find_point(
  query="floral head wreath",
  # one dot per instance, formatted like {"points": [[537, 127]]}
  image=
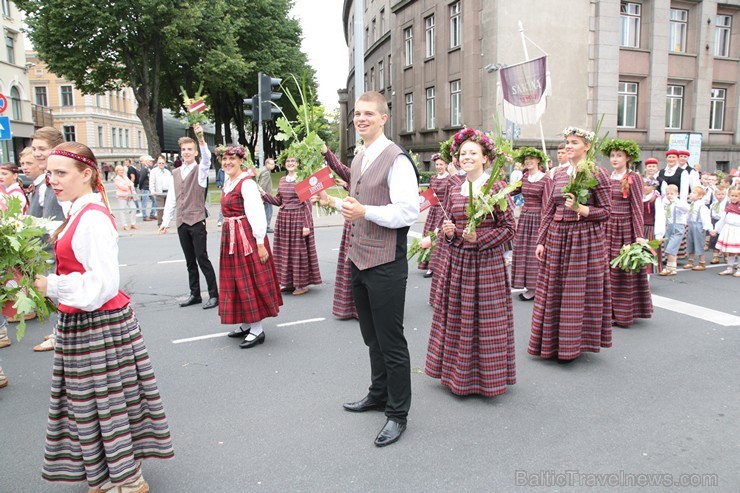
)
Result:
{"points": [[232, 150], [466, 134], [629, 147], [584, 134], [530, 152], [436, 156]]}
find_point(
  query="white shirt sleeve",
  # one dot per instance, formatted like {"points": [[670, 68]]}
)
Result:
{"points": [[95, 245], [706, 218], [659, 231], [204, 166], [404, 191], [683, 190], [254, 210], [169, 207]]}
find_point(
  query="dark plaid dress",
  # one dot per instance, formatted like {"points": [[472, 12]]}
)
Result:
{"points": [[572, 303], [344, 301], [648, 215], [524, 266], [471, 343], [435, 216], [295, 255], [438, 262], [248, 289], [630, 292]]}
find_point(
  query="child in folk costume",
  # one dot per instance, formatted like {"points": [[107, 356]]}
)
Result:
{"points": [[676, 215], [653, 214], [572, 306], [536, 189], [630, 291], [249, 289], [471, 344], [105, 413], [716, 210], [295, 245], [728, 230], [699, 225], [10, 186], [344, 301], [435, 215]]}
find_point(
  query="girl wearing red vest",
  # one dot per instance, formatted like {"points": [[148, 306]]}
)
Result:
{"points": [[105, 413], [11, 187]]}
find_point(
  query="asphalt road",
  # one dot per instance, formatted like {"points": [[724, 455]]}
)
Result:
{"points": [[659, 408]]}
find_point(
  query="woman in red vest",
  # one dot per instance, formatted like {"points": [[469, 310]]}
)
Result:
{"points": [[105, 413], [249, 288]]}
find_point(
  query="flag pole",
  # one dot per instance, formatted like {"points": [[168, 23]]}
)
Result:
{"points": [[526, 58]]}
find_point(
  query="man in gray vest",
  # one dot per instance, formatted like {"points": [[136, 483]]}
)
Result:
{"points": [[187, 197], [384, 202]]}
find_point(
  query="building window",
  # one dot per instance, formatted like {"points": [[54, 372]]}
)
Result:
{"points": [[373, 32], [67, 99], [455, 103], [429, 36], [120, 137], [40, 96], [627, 105], [408, 44], [367, 37], [371, 85], [723, 23], [6, 8], [455, 25], [141, 144], [390, 74], [10, 46], [410, 112], [723, 166], [113, 137], [674, 107], [127, 141], [717, 109], [69, 133], [679, 27], [100, 136], [431, 109], [382, 22], [630, 19], [381, 76], [15, 103]]}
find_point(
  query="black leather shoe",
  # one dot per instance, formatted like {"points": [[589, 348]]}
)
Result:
{"points": [[257, 340], [365, 404], [211, 303], [428, 274], [390, 433], [239, 332], [193, 300], [524, 298]]}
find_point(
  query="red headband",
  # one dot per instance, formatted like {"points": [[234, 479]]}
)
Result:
{"points": [[10, 167], [75, 156]]}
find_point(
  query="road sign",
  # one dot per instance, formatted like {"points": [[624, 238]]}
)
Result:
{"points": [[3, 103], [5, 133]]}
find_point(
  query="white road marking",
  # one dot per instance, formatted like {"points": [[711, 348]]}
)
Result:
{"points": [[696, 311], [299, 322], [171, 261], [335, 249], [122, 265], [199, 338]]}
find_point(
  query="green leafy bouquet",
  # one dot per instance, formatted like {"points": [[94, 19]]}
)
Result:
{"points": [[632, 258], [584, 179], [422, 249], [194, 116], [22, 257]]}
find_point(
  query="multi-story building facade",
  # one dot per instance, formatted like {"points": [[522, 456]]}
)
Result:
{"points": [[652, 68], [107, 122], [14, 84]]}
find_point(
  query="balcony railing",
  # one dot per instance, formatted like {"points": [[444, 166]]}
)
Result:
{"points": [[42, 116]]}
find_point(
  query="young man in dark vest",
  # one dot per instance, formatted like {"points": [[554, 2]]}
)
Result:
{"points": [[384, 202], [188, 198]]}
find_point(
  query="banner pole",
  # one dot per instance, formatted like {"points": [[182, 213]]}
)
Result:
{"points": [[526, 57]]}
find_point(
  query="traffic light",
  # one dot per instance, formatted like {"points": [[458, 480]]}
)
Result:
{"points": [[253, 108], [267, 96]]}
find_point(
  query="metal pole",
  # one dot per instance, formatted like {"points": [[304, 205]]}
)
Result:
{"points": [[526, 58], [260, 133], [359, 54]]}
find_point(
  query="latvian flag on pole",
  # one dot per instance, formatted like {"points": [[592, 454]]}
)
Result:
{"points": [[523, 91], [321, 180], [197, 107], [427, 199]]}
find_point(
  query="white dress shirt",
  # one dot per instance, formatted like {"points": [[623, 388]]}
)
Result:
{"points": [[95, 245], [253, 208], [185, 170], [160, 181]]}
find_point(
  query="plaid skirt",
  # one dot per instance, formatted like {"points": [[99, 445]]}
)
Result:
{"points": [[344, 301], [631, 296], [471, 344], [105, 412], [295, 255], [434, 221], [524, 265], [572, 303], [438, 265]]}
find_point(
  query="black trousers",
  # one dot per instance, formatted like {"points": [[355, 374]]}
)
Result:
{"points": [[380, 296], [193, 240]]}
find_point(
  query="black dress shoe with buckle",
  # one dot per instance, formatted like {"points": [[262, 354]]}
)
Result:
{"points": [[211, 303], [390, 433], [365, 404], [193, 300], [256, 340], [239, 332]]}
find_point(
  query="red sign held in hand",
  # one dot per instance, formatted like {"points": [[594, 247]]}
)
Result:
{"points": [[317, 182], [427, 199]]}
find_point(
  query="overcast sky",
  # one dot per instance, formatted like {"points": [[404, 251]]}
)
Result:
{"points": [[323, 42]]}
